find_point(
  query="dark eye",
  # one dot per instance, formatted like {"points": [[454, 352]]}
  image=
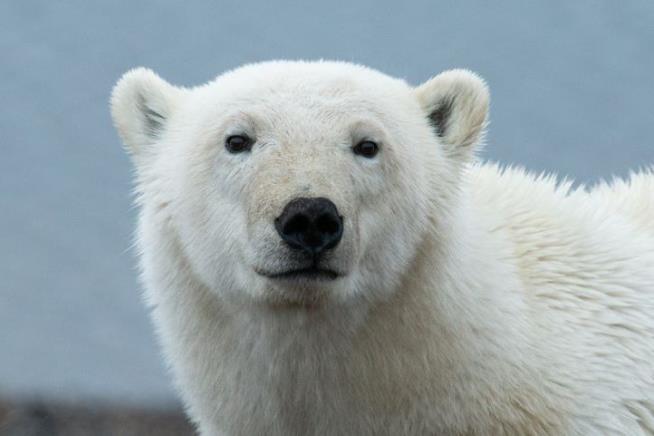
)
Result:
{"points": [[367, 149], [238, 143]]}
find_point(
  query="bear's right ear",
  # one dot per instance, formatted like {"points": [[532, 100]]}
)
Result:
{"points": [[456, 105], [141, 105]]}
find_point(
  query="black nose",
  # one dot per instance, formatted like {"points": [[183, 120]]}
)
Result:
{"points": [[310, 224]]}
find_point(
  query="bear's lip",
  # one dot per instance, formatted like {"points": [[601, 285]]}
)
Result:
{"points": [[310, 273]]}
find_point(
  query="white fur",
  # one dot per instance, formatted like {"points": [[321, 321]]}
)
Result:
{"points": [[474, 299]]}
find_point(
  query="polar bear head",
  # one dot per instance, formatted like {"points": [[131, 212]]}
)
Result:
{"points": [[298, 182]]}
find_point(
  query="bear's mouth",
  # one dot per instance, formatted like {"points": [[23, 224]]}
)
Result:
{"points": [[310, 273]]}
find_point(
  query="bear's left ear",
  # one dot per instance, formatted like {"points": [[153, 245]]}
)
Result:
{"points": [[456, 104]]}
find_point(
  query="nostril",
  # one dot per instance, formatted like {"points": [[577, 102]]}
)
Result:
{"points": [[327, 223], [299, 223]]}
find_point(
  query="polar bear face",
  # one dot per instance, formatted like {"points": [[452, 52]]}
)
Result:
{"points": [[298, 183]]}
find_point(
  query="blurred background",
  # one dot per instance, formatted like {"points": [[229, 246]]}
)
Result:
{"points": [[572, 89]]}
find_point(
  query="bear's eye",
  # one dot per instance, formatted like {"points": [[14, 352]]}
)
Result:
{"points": [[238, 143], [366, 148]]}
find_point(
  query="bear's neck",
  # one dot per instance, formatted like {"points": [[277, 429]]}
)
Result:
{"points": [[448, 324]]}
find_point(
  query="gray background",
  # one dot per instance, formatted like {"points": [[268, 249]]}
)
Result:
{"points": [[572, 89]]}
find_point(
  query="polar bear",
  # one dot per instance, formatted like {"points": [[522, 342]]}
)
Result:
{"points": [[325, 255]]}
